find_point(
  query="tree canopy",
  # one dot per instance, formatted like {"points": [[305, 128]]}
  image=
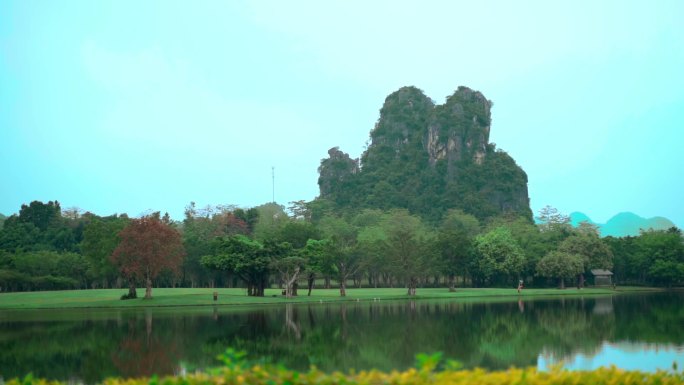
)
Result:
{"points": [[42, 248], [147, 247]]}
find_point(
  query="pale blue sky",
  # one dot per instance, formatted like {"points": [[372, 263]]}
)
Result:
{"points": [[127, 106]]}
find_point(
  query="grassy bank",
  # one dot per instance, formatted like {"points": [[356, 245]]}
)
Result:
{"points": [[109, 298]]}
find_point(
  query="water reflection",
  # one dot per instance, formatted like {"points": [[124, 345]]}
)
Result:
{"points": [[91, 345], [644, 357], [141, 352]]}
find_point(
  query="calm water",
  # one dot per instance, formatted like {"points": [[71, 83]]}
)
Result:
{"points": [[644, 331]]}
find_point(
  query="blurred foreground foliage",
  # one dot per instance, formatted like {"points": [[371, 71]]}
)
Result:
{"points": [[429, 370]]}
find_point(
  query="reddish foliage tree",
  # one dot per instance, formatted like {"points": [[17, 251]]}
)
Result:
{"points": [[147, 246], [229, 224]]}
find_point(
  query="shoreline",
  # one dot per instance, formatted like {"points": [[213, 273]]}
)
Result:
{"points": [[99, 299]]}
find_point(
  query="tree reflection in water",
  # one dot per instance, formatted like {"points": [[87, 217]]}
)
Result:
{"points": [[90, 345], [145, 352]]}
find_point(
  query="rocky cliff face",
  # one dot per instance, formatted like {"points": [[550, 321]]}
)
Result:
{"points": [[338, 169], [429, 158], [460, 128]]}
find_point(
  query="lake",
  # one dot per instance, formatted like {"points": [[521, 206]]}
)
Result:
{"points": [[633, 331]]}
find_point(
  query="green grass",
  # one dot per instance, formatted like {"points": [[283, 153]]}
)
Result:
{"points": [[164, 297]]}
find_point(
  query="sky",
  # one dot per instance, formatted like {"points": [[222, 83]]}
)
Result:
{"points": [[139, 106]]}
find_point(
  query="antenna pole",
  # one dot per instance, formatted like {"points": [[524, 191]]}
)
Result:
{"points": [[273, 183]]}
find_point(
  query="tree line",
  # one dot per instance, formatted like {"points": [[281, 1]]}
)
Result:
{"points": [[46, 248]]}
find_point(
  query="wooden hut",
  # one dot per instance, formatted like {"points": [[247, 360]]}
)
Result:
{"points": [[602, 277]]}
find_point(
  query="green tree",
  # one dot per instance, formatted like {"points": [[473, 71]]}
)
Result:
{"points": [[343, 259], [300, 210], [661, 255], [594, 252], [370, 244], [42, 215], [316, 255], [244, 257], [455, 243], [549, 218], [197, 233], [100, 238], [41, 226], [286, 262], [271, 217], [200, 227], [534, 243], [297, 233], [409, 246], [561, 265], [498, 255], [249, 216], [50, 270], [17, 236], [625, 262]]}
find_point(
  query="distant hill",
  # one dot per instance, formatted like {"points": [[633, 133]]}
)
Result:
{"points": [[428, 158], [623, 224], [576, 218]]}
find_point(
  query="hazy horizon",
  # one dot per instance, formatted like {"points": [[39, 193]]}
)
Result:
{"points": [[120, 107]]}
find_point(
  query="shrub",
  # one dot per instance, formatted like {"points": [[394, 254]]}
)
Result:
{"points": [[235, 374], [129, 296]]}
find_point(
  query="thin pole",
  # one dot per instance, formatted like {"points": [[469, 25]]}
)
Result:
{"points": [[273, 183]]}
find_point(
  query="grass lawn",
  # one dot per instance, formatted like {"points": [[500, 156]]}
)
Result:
{"points": [[109, 298]]}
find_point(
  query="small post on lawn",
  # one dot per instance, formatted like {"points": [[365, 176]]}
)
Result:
{"points": [[215, 296]]}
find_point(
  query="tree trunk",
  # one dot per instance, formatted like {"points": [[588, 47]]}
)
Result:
{"points": [[412, 283], [452, 282], [290, 284], [326, 283], [561, 282], [132, 292], [310, 281], [261, 286], [343, 288], [148, 288]]}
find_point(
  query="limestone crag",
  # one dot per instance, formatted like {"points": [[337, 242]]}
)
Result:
{"points": [[459, 128], [428, 157], [337, 170]]}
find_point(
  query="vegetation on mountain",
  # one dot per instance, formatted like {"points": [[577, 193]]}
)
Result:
{"points": [[427, 158]]}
